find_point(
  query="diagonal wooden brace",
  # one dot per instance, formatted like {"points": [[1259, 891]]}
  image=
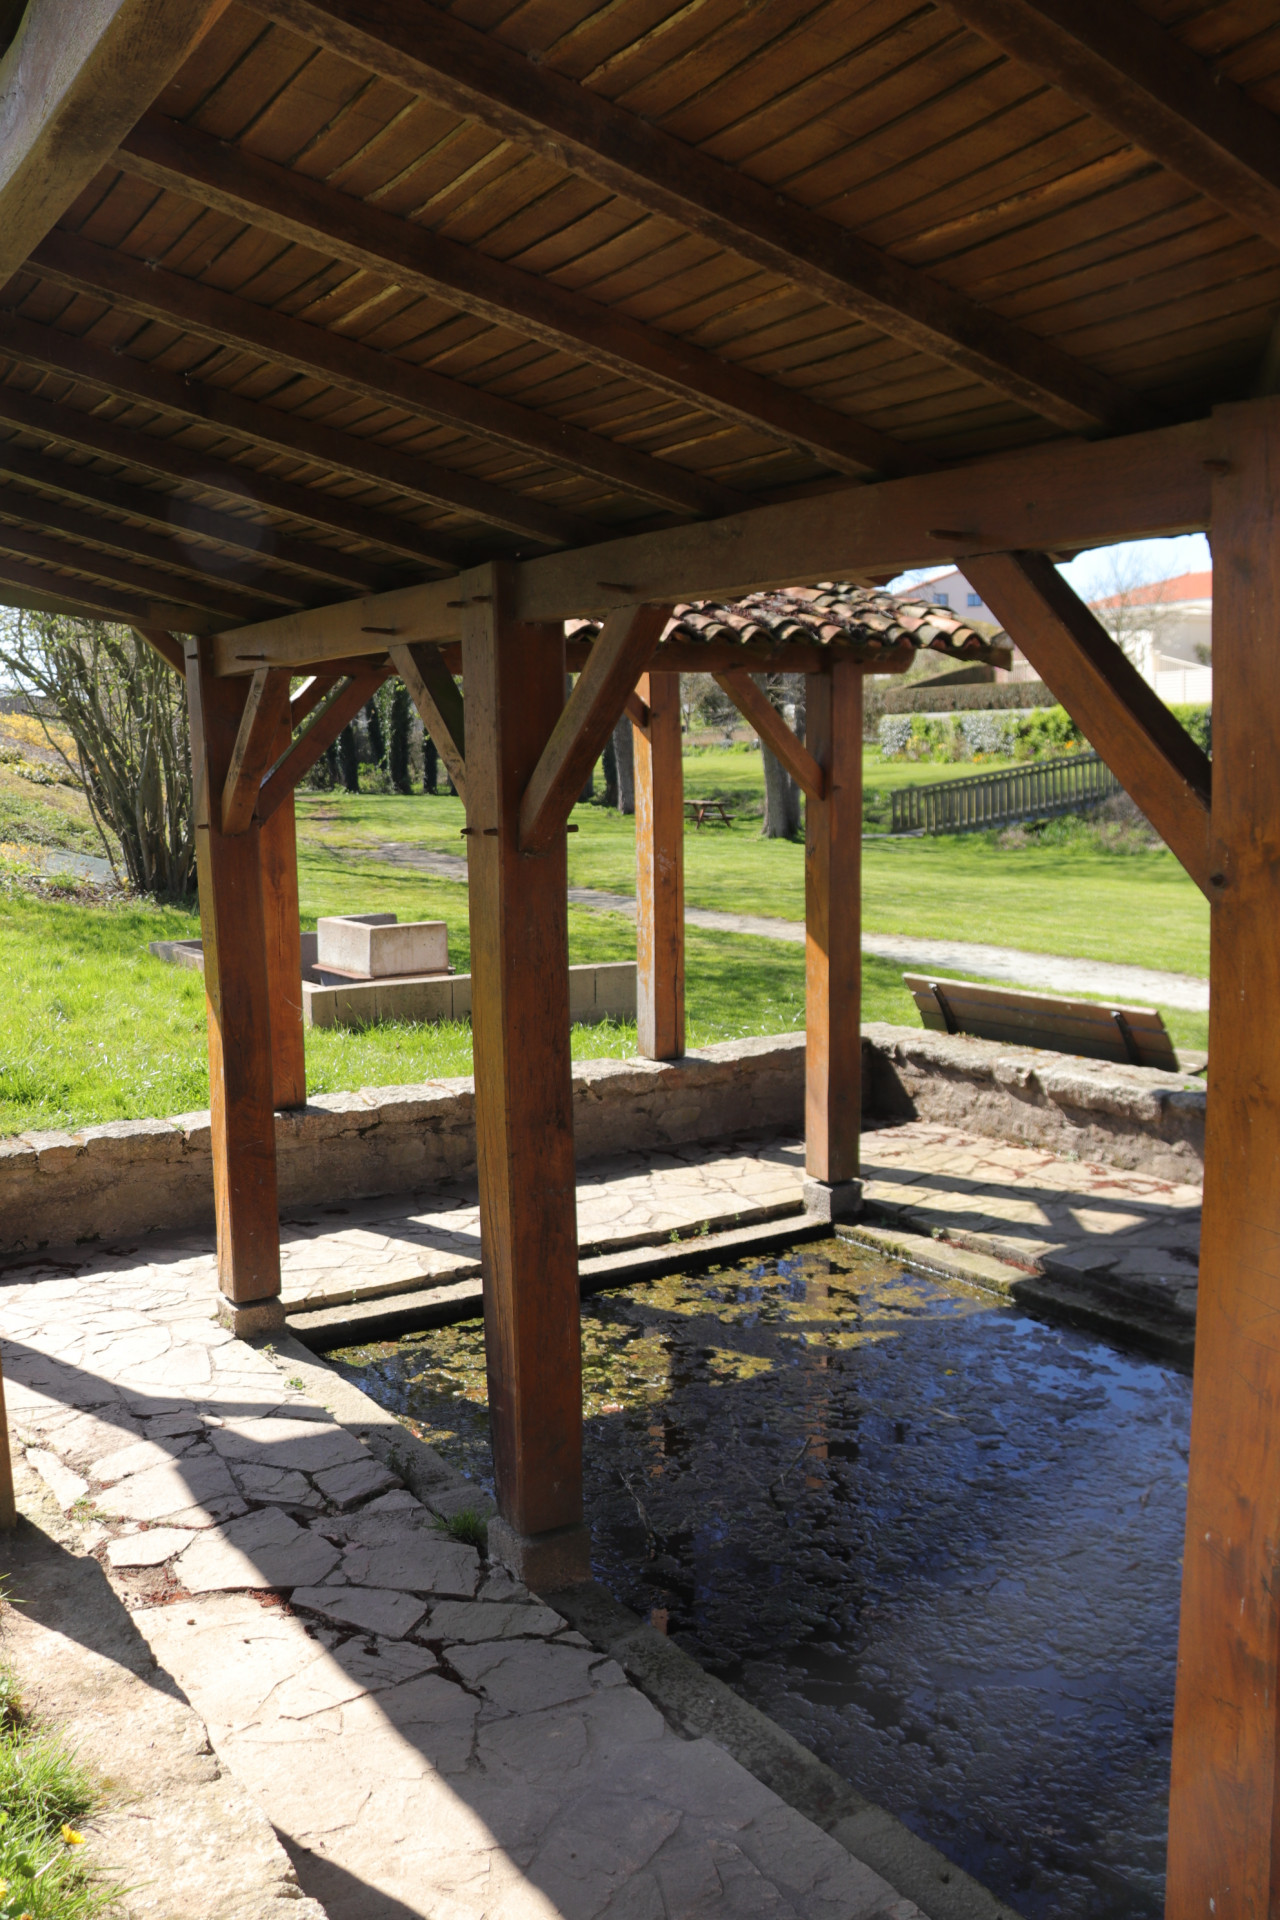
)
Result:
{"points": [[341, 707], [434, 692], [266, 705], [618, 657], [1151, 754], [169, 649], [759, 712]]}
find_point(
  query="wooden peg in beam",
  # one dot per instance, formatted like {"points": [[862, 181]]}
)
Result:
{"points": [[264, 709], [760, 713], [434, 692]]}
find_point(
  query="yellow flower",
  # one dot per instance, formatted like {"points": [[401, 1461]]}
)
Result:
{"points": [[72, 1838]]}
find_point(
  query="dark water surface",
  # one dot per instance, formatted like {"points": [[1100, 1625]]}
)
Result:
{"points": [[934, 1538]]}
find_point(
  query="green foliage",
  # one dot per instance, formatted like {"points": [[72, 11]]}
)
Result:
{"points": [[466, 1526], [1029, 735], [1198, 723], [43, 1873]]}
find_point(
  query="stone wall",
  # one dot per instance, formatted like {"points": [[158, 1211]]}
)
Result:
{"points": [[132, 1175], [1136, 1118], [126, 1177]]}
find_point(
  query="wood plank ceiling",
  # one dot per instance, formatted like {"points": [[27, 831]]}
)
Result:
{"points": [[377, 290]]}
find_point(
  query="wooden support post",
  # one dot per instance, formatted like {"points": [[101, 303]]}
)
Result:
{"points": [[279, 845], [514, 675], [833, 945], [237, 989], [659, 778], [1224, 1816]]}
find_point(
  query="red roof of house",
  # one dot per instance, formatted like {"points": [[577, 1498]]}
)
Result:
{"points": [[1163, 593]]}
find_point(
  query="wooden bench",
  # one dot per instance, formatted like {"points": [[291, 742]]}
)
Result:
{"points": [[701, 811], [1098, 1029]]}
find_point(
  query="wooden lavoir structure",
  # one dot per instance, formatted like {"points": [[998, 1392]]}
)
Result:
{"points": [[348, 336]]}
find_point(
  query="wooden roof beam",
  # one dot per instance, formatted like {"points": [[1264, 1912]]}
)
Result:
{"points": [[1071, 495], [133, 543], [1151, 754], [126, 378], [298, 208], [189, 304], [86, 600], [1124, 67], [118, 571], [592, 711], [72, 83], [88, 433], [427, 51]]}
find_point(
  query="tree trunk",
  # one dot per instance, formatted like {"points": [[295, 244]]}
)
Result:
{"points": [[781, 799], [624, 754], [398, 738], [430, 765], [609, 773], [349, 759]]}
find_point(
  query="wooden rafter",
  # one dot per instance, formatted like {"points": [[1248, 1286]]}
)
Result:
{"points": [[1125, 67], [232, 321], [617, 658], [266, 705], [167, 646], [89, 434], [1150, 753], [342, 706], [434, 693], [115, 569], [125, 378], [72, 82], [87, 597], [759, 712], [435, 54], [1084, 494], [306, 211], [218, 595]]}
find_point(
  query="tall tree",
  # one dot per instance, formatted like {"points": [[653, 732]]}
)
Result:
{"points": [[126, 712], [430, 765], [624, 754], [349, 759], [376, 736], [400, 721]]}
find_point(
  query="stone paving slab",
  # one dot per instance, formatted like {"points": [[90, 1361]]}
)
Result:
{"points": [[425, 1737], [372, 1249]]}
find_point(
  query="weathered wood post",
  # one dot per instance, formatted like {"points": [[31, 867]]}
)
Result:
{"points": [[833, 945], [659, 782], [237, 991], [514, 679], [279, 852], [1224, 1823]]}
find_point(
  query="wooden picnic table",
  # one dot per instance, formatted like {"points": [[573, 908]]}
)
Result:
{"points": [[703, 810]]}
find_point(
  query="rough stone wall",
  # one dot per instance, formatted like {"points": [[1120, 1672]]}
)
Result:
{"points": [[1136, 1118], [130, 1176], [133, 1175]]}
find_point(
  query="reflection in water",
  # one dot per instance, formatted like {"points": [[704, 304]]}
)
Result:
{"points": [[936, 1539]]}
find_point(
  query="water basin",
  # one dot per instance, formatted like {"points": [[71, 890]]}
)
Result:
{"points": [[935, 1538]]}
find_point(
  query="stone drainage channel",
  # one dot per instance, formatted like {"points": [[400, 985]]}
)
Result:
{"points": [[934, 1538]]}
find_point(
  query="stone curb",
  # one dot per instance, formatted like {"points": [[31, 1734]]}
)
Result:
{"points": [[700, 1706], [1098, 1305], [323, 1328]]}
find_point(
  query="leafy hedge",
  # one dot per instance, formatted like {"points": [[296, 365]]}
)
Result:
{"points": [[1025, 735]]}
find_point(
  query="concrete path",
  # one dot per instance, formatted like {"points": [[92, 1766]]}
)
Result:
{"points": [[426, 1738], [1044, 972]]}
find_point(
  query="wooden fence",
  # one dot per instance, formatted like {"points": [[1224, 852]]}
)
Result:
{"points": [[1000, 799]]}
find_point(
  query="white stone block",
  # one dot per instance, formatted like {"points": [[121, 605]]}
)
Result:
{"points": [[376, 946]]}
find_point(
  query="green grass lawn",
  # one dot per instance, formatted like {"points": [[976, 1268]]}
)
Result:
{"points": [[1063, 896]]}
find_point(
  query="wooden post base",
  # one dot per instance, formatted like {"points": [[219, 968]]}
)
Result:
{"points": [[544, 1561]]}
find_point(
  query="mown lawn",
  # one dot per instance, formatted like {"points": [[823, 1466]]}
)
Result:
{"points": [[1064, 896]]}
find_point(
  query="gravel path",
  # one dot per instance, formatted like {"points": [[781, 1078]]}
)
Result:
{"points": [[1048, 972]]}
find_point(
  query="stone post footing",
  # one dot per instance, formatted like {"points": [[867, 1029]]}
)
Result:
{"points": [[832, 1199], [544, 1561], [247, 1317]]}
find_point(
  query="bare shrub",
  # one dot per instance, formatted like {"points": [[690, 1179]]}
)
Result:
{"points": [[126, 713]]}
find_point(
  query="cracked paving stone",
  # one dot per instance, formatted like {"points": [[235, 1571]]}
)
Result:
{"points": [[472, 1620], [150, 1549], [378, 1610], [420, 1563], [306, 1445], [524, 1676], [265, 1549], [201, 1486]]}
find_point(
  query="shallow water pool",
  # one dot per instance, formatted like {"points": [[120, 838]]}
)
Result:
{"points": [[935, 1538]]}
